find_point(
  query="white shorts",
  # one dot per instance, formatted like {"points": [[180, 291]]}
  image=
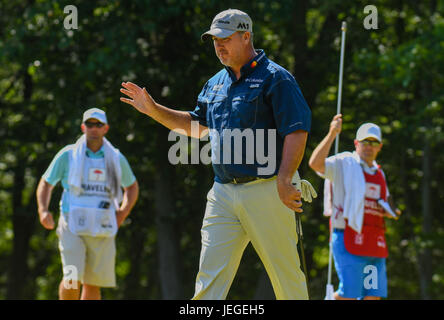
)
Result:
{"points": [[90, 260]]}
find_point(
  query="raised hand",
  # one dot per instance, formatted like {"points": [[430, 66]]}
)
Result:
{"points": [[139, 97], [336, 124]]}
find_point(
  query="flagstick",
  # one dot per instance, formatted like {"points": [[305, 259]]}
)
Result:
{"points": [[329, 290], [341, 69]]}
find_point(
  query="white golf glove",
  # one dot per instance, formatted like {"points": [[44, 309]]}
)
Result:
{"points": [[307, 190]]}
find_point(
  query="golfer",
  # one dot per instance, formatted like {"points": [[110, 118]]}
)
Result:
{"points": [[355, 185], [92, 173], [251, 94]]}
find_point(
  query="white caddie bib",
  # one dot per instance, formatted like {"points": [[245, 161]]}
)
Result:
{"points": [[93, 212]]}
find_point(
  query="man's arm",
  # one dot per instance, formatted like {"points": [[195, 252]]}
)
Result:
{"points": [[44, 191], [130, 196], [320, 153], [292, 154], [170, 118]]}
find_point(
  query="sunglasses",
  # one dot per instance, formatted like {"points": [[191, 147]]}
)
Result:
{"points": [[370, 143], [90, 125]]}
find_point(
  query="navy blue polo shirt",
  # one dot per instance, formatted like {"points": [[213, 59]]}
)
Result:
{"points": [[261, 107]]}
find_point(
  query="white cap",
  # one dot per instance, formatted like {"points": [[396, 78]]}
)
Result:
{"points": [[369, 130], [227, 22], [96, 114]]}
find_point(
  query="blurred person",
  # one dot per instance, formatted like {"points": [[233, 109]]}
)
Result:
{"points": [[92, 173], [355, 185]]}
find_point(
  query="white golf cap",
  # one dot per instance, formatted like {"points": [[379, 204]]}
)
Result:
{"points": [[95, 113], [369, 130], [227, 22]]}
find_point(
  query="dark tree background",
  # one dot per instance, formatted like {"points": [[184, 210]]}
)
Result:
{"points": [[49, 75]]}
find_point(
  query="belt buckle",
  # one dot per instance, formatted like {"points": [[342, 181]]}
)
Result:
{"points": [[234, 181]]}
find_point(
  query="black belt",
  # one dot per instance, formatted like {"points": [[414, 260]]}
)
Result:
{"points": [[338, 230], [243, 180]]}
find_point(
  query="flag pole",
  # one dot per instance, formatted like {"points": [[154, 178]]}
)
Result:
{"points": [[341, 71], [329, 295]]}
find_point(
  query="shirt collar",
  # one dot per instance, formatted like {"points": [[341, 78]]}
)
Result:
{"points": [[99, 154], [250, 66], [365, 166]]}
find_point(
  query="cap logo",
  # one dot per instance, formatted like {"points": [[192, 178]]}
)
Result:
{"points": [[225, 23]]}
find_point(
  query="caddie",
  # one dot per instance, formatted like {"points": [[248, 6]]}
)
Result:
{"points": [[355, 196], [251, 199], [92, 172]]}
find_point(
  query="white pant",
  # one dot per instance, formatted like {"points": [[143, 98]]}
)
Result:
{"points": [[235, 215]]}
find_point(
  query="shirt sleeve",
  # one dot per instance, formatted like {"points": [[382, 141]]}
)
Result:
{"points": [[200, 112], [58, 167], [128, 177], [290, 109]]}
